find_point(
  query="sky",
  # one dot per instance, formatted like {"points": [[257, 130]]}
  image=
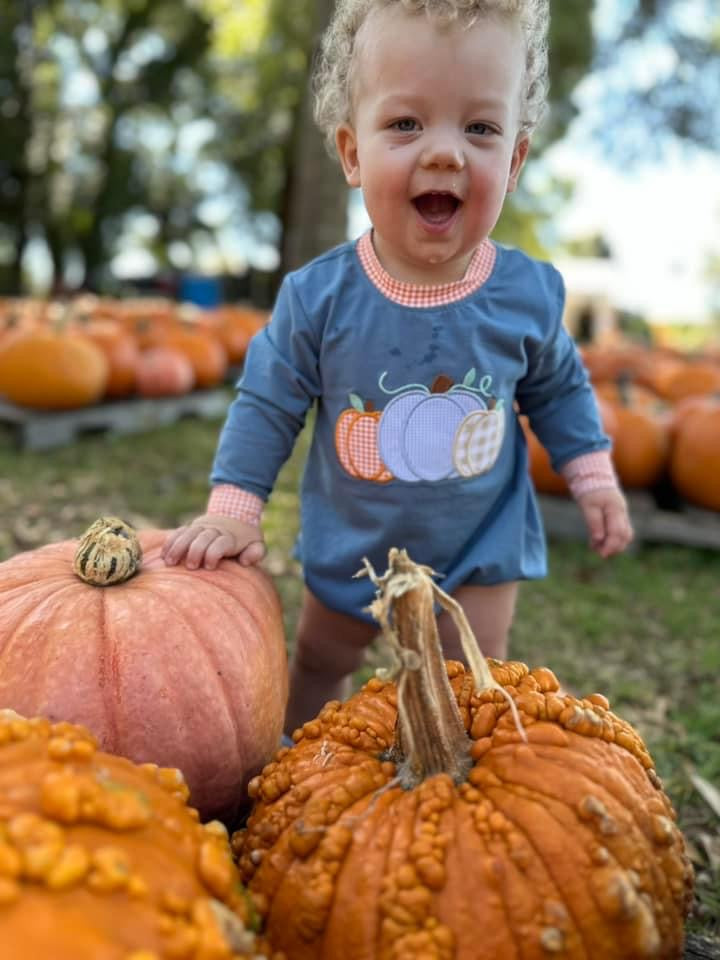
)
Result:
{"points": [[662, 225], [661, 219]]}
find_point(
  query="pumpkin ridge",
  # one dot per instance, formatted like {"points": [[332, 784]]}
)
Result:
{"points": [[392, 827], [583, 768], [543, 809], [29, 607], [179, 614], [204, 643], [542, 806], [602, 788], [109, 685], [462, 813], [532, 795]]}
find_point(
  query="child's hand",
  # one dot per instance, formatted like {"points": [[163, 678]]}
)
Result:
{"points": [[607, 519], [205, 541]]}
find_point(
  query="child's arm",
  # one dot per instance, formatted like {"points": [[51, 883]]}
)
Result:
{"points": [[230, 528], [593, 484], [279, 383]]}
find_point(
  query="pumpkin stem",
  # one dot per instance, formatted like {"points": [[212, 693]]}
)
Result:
{"points": [[430, 737], [108, 552]]}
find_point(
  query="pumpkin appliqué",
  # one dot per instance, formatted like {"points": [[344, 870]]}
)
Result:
{"points": [[424, 433], [356, 442], [478, 441]]}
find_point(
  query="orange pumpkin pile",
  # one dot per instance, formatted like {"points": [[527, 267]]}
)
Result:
{"points": [[63, 356], [649, 399], [446, 813]]}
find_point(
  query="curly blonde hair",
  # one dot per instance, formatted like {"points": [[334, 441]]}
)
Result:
{"points": [[332, 78]]}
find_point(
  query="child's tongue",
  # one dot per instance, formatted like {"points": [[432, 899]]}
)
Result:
{"points": [[436, 207]]}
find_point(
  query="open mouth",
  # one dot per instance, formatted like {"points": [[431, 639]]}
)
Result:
{"points": [[436, 207]]}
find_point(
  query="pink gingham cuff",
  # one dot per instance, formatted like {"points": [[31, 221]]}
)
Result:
{"points": [[430, 295], [591, 471], [230, 501]]}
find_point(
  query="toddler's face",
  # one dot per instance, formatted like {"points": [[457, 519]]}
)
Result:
{"points": [[434, 138]]}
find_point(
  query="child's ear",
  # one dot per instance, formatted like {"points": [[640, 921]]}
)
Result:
{"points": [[518, 160], [346, 144]]}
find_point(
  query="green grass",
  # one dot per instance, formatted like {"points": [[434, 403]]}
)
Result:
{"points": [[642, 628]]}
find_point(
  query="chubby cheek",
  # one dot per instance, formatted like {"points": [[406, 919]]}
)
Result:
{"points": [[386, 192]]}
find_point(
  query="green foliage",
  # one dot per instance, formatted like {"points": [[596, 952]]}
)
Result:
{"points": [[75, 172]]}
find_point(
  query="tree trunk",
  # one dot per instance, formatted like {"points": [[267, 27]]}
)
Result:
{"points": [[317, 195]]}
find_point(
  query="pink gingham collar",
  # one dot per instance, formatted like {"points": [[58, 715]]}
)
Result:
{"points": [[432, 295]]}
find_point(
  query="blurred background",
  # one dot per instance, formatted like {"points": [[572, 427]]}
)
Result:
{"points": [[166, 146]]}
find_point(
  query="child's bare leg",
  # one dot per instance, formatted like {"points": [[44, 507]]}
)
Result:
{"points": [[490, 611], [329, 647]]}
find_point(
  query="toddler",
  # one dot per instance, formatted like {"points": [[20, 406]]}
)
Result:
{"points": [[418, 345]]}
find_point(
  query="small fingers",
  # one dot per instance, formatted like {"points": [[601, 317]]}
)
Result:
{"points": [[619, 533], [253, 553], [595, 521], [206, 538], [222, 546], [175, 547]]}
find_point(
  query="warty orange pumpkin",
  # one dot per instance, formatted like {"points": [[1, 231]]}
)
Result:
{"points": [[464, 815], [101, 859], [182, 668]]}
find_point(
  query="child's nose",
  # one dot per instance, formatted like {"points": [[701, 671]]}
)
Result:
{"points": [[443, 152]]}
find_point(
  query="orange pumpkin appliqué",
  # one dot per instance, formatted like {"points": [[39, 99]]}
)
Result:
{"points": [[356, 442]]}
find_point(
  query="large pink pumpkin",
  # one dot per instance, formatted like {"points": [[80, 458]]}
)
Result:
{"points": [[181, 668]]}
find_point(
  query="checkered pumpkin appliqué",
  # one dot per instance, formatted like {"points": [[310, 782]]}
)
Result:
{"points": [[356, 442], [478, 441]]}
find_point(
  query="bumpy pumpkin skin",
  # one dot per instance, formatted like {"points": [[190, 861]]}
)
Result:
{"points": [[562, 846], [182, 668], [101, 859]]}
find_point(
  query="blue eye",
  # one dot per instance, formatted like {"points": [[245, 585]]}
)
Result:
{"points": [[406, 125], [478, 129]]}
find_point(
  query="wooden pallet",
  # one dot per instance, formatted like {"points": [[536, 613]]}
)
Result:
{"points": [[686, 526], [45, 429]]}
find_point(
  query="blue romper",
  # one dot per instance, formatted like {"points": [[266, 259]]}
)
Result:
{"points": [[416, 440]]}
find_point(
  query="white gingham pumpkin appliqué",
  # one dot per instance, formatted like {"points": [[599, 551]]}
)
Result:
{"points": [[478, 440]]}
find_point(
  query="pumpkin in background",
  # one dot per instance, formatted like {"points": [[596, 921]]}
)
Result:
{"points": [[101, 859], [121, 352], [163, 372], [182, 668], [545, 478], [691, 379], [641, 447], [51, 369], [202, 348], [464, 816], [235, 326], [695, 453], [641, 443]]}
